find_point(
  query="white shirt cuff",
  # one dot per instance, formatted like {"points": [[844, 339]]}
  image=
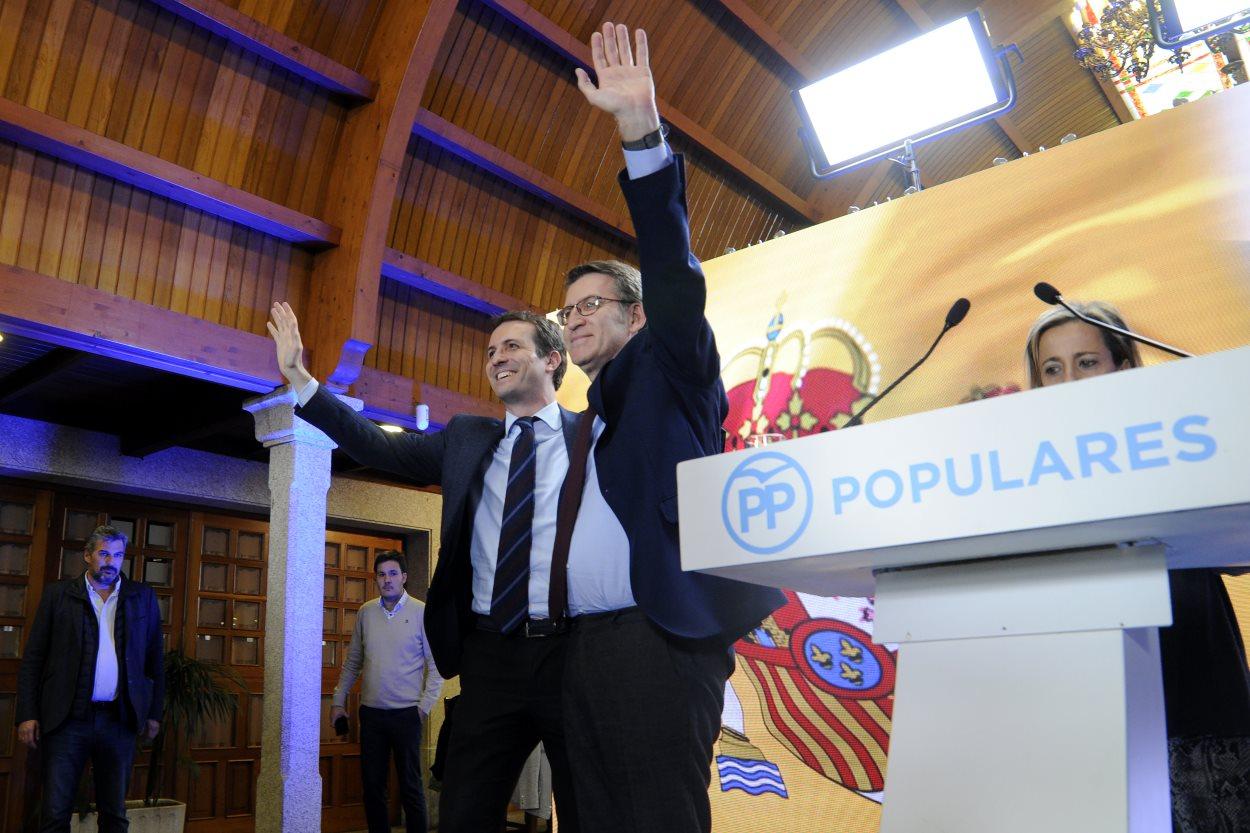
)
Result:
{"points": [[640, 163], [306, 393]]}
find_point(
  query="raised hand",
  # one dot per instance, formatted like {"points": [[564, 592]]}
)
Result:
{"points": [[284, 328], [625, 88]]}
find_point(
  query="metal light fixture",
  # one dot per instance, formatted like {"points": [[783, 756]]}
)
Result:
{"points": [[1175, 23], [939, 82], [1121, 42]]}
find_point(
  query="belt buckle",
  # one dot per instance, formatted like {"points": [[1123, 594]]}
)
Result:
{"points": [[537, 628]]}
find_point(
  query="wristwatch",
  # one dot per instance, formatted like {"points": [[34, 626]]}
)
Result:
{"points": [[652, 140]]}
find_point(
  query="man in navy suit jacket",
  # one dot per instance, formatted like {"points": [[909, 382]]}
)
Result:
{"points": [[649, 651], [510, 683]]}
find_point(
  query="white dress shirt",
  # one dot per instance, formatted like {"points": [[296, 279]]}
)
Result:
{"points": [[551, 466], [106, 671], [599, 552]]}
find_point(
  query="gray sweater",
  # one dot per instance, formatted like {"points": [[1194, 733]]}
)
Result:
{"points": [[394, 656]]}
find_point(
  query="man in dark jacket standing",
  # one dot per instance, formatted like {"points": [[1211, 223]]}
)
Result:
{"points": [[91, 680], [649, 645]]}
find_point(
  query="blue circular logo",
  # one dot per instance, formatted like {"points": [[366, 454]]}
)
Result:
{"points": [[767, 502]]}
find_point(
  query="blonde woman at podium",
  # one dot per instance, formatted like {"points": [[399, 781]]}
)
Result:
{"points": [[1206, 684]]}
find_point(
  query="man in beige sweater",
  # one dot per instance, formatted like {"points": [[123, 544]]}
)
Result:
{"points": [[399, 688]]}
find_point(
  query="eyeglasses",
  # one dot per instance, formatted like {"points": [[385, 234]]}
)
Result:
{"points": [[587, 307]]}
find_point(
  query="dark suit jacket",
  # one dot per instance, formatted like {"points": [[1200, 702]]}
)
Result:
{"points": [[663, 402], [456, 459], [48, 678]]}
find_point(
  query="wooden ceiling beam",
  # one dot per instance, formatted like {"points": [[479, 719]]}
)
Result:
{"points": [[40, 370], [771, 38], [273, 46], [434, 128], [87, 320], [412, 271], [548, 33], [92, 321], [94, 152], [342, 317]]}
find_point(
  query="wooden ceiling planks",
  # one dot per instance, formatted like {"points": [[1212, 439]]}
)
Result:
{"points": [[520, 98], [272, 45], [102, 155], [533, 22], [835, 35], [142, 77], [68, 223], [433, 128], [463, 219], [1057, 96], [431, 340], [509, 116], [339, 30]]}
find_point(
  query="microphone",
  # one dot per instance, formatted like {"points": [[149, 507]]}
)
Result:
{"points": [[1047, 294], [956, 314]]}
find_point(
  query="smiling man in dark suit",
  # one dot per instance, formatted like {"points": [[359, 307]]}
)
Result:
{"points": [[649, 650], [487, 614]]}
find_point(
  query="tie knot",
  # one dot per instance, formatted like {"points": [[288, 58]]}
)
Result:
{"points": [[527, 423]]}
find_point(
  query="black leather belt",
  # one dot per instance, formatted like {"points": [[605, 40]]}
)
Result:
{"points": [[529, 628]]}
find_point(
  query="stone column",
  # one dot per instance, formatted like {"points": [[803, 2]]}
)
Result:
{"points": [[288, 791]]}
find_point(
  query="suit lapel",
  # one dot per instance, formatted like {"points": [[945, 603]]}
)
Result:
{"points": [[478, 450]]}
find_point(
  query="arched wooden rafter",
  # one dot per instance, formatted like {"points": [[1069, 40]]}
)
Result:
{"points": [[342, 317]]}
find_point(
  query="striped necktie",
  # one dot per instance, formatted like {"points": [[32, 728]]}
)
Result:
{"points": [[510, 599]]}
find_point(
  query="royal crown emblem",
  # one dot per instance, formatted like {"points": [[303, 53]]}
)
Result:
{"points": [[805, 379]]}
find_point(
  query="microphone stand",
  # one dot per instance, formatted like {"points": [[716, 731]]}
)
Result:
{"points": [[1103, 325], [858, 419]]}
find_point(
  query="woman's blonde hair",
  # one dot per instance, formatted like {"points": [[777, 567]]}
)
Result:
{"points": [[1122, 348]]}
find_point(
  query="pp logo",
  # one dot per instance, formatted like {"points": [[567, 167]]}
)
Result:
{"points": [[767, 502]]}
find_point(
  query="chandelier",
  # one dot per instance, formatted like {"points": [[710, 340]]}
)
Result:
{"points": [[1121, 43]]}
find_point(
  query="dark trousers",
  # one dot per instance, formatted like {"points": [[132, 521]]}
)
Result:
{"points": [[103, 738], [386, 734], [509, 701], [642, 711]]}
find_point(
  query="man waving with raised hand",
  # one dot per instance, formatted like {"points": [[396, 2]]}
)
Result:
{"points": [[649, 645]]}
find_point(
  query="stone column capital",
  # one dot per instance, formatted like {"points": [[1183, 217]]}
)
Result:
{"points": [[276, 422]]}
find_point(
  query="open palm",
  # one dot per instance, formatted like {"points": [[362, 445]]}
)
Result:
{"points": [[625, 88], [284, 327]]}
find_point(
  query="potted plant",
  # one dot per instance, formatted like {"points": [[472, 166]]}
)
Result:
{"points": [[196, 693]]}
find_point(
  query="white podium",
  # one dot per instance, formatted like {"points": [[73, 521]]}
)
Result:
{"points": [[1017, 548]]}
